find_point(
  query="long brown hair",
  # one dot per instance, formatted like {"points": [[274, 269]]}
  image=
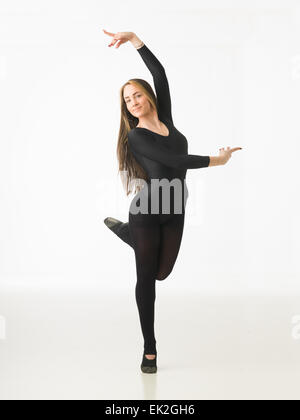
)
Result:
{"points": [[132, 172]]}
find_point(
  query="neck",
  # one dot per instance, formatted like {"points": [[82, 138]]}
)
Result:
{"points": [[151, 122]]}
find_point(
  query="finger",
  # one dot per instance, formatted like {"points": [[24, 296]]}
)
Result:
{"points": [[108, 33], [235, 149], [112, 42], [119, 43]]}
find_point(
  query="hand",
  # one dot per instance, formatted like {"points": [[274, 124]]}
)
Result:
{"points": [[226, 154], [120, 37]]}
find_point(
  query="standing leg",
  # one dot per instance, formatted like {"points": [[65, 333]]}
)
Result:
{"points": [[146, 238]]}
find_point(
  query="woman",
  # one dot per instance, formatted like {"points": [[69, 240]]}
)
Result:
{"points": [[152, 151]]}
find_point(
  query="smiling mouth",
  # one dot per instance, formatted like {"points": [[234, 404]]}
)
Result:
{"points": [[136, 109]]}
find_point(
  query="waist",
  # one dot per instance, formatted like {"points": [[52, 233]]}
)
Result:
{"points": [[163, 196]]}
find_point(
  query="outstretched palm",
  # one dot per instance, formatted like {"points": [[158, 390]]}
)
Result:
{"points": [[226, 154]]}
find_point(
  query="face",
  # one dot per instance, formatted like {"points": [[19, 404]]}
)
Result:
{"points": [[137, 103]]}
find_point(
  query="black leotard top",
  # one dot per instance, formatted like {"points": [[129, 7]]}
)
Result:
{"points": [[162, 156]]}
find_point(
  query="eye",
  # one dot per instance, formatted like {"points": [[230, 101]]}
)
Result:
{"points": [[139, 95]]}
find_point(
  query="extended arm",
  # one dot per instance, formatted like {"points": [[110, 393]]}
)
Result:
{"points": [[159, 77], [145, 145]]}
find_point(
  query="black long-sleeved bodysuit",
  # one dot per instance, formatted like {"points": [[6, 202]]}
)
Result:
{"points": [[156, 234]]}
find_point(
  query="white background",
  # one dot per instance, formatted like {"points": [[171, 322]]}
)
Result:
{"points": [[234, 74]]}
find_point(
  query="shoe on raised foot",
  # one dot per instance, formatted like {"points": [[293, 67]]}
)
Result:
{"points": [[111, 222], [120, 229]]}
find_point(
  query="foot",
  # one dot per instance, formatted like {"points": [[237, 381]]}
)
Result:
{"points": [[149, 363], [110, 222], [120, 229]]}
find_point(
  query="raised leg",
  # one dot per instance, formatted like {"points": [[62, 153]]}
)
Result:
{"points": [[170, 242]]}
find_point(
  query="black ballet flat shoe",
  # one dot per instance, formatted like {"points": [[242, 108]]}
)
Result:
{"points": [[120, 229], [149, 366], [112, 223]]}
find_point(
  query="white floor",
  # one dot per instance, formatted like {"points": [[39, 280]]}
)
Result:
{"points": [[89, 346]]}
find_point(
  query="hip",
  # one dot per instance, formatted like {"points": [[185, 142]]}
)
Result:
{"points": [[161, 198]]}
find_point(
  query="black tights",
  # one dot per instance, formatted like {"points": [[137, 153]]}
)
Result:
{"points": [[156, 242]]}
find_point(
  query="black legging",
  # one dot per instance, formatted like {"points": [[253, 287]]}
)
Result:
{"points": [[156, 240]]}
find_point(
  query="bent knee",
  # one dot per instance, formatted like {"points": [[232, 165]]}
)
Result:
{"points": [[162, 276]]}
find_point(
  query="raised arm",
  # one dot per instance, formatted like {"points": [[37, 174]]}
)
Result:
{"points": [[159, 77], [145, 145]]}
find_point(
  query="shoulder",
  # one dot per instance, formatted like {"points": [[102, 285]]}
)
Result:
{"points": [[131, 132], [138, 134], [132, 135]]}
